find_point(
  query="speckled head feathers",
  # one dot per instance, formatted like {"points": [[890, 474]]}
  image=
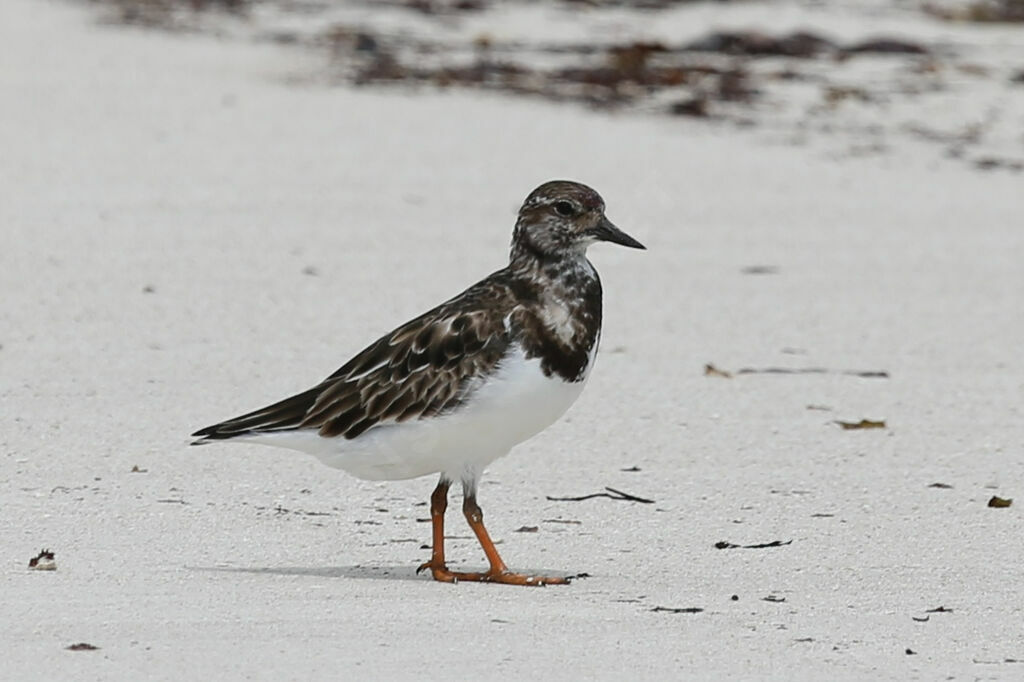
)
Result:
{"points": [[561, 219]]}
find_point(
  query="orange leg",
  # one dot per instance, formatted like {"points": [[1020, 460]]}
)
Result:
{"points": [[498, 571], [438, 506]]}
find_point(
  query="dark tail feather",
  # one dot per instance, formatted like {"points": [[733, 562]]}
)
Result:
{"points": [[286, 415]]}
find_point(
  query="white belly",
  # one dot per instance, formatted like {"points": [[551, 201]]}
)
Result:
{"points": [[515, 404]]}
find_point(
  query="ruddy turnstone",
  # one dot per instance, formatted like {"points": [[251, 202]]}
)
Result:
{"points": [[459, 386]]}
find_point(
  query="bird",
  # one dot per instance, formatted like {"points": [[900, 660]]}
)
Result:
{"points": [[453, 390]]}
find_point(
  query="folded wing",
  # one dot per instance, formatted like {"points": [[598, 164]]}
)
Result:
{"points": [[424, 368]]}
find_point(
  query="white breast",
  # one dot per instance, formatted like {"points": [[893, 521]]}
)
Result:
{"points": [[514, 404]]}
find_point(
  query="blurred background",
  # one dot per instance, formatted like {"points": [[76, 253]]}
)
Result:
{"points": [[859, 77]]}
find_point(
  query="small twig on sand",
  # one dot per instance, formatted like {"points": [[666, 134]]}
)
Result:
{"points": [[863, 373], [862, 424], [774, 543], [711, 370], [669, 609], [611, 494]]}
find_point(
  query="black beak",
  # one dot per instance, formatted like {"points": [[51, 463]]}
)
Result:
{"points": [[607, 232]]}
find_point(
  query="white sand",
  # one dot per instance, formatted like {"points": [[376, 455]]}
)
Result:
{"points": [[203, 170]]}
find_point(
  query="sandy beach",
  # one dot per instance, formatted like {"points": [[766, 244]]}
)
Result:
{"points": [[195, 227]]}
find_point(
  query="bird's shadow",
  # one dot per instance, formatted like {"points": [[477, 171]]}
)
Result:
{"points": [[406, 573], [354, 572]]}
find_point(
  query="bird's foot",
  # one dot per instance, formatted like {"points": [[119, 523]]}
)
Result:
{"points": [[443, 574]]}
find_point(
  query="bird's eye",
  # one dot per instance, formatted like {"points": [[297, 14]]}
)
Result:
{"points": [[565, 208]]}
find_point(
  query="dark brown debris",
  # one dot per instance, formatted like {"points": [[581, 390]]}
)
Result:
{"points": [[604, 76], [925, 619], [943, 486], [764, 545], [998, 163], [439, 7], [280, 510], [836, 94], [696, 106], [868, 374], [82, 646], [527, 529], [862, 424], [864, 374], [161, 13], [982, 11], [735, 85], [757, 44], [799, 44], [633, 59], [886, 46], [997, 502], [712, 371], [669, 609]]}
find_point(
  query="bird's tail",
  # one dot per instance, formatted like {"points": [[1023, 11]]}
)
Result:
{"points": [[286, 415]]}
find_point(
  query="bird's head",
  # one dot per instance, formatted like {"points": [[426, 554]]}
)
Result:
{"points": [[561, 219]]}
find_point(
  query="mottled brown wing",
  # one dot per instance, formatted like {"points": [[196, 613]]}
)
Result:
{"points": [[425, 367]]}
